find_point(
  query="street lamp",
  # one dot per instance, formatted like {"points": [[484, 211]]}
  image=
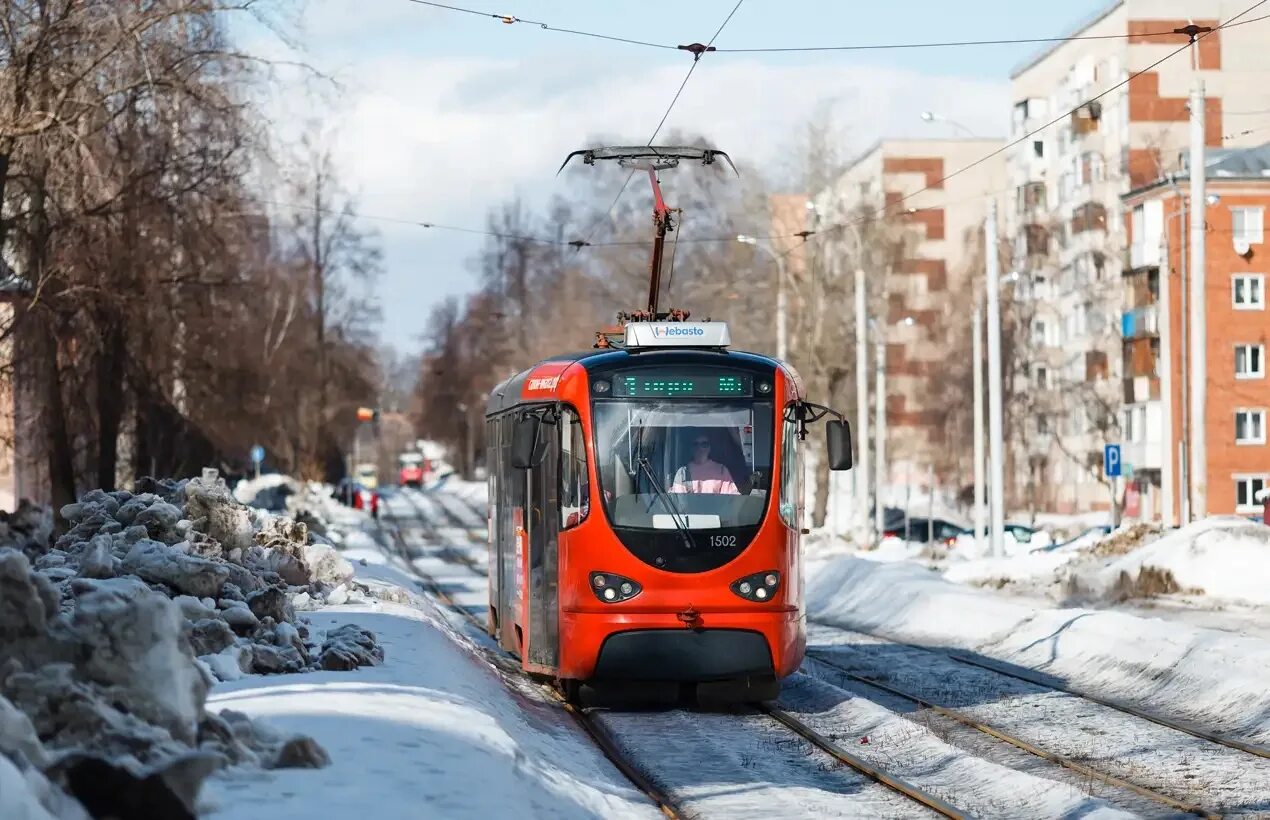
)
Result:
{"points": [[781, 306], [931, 116]]}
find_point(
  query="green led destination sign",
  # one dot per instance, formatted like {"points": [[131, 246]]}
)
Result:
{"points": [[682, 384]]}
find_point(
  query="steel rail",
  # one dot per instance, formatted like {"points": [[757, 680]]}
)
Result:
{"points": [[506, 665], [1256, 749], [1119, 706], [826, 745], [1018, 743]]}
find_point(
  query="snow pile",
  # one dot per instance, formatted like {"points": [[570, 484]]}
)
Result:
{"points": [[111, 635], [268, 492], [1224, 557], [434, 731], [1210, 677]]}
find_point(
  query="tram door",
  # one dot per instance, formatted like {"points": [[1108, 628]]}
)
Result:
{"points": [[542, 514]]}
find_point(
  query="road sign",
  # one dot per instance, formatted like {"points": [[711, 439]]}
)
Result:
{"points": [[257, 454], [1111, 460]]}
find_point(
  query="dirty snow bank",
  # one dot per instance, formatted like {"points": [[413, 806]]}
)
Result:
{"points": [[1208, 677], [1224, 557], [1217, 561], [431, 732], [111, 635]]}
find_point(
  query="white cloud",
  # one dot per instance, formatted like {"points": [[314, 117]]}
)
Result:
{"points": [[446, 139]]}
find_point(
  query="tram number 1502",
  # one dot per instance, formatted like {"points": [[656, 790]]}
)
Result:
{"points": [[723, 540]]}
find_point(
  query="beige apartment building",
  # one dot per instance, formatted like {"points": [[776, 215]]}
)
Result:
{"points": [[920, 298], [1066, 223]]}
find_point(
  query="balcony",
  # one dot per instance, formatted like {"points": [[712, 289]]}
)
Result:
{"points": [[1140, 322], [1143, 455], [1138, 389]]}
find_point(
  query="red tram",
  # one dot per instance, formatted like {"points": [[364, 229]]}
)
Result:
{"points": [[645, 508]]}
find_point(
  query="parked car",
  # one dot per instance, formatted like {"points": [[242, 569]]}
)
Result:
{"points": [[919, 530], [1029, 538], [358, 496]]}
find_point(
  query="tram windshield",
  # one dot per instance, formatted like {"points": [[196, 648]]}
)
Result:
{"points": [[671, 464]]}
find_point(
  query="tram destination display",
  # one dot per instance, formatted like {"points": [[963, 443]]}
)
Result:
{"points": [[681, 383]]}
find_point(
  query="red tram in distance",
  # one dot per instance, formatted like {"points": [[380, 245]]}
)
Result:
{"points": [[645, 507]]}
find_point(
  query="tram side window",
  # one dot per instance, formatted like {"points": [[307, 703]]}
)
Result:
{"points": [[789, 472], [574, 486]]}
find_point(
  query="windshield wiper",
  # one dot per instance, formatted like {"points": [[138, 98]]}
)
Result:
{"points": [[670, 505]]}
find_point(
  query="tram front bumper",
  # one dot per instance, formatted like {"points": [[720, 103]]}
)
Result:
{"points": [[658, 647]]}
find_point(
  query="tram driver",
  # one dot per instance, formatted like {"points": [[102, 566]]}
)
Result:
{"points": [[703, 474]]}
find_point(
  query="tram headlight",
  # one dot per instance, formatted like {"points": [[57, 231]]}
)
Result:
{"points": [[613, 589], [759, 587], [764, 387]]}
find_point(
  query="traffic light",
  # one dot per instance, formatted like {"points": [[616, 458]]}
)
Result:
{"points": [[367, 414]]}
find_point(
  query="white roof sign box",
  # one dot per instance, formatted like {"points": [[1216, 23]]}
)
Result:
{"points": [[677, 334]]}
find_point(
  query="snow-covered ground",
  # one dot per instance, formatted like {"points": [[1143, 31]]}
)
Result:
{"points": [[432, 732], [435, 730], [1208, 677]]}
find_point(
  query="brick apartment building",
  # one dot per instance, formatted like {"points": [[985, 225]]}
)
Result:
{"points": [[940, 228], [1237, 335], [1066, 218]]}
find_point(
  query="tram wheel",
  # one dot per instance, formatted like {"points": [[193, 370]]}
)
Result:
{"points": [[572, 691]]}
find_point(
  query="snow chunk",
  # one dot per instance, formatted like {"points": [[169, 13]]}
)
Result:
{"points": [[349, 647], [155, 562]]}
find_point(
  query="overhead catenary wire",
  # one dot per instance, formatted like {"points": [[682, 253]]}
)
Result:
{"points": [[510, 19], [1056, 120], [427, 224], [696, 58]]}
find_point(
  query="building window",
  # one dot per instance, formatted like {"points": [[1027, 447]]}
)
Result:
{"points": [[1042, 375], [1250, 426], [1246, 489], [1248, 224], [1248, 291], [1038, 148], [1038, 333], [1250, 361]]}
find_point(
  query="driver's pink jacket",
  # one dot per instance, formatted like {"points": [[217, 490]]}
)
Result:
{"points": [[710, 477]]}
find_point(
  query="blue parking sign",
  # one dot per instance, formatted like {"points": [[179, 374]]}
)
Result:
{"points": [[257, 454], [1111, 460]]}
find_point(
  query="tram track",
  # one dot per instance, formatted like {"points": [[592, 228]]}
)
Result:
{"points": [[1139, 755], [592, 723], [508, 667], [1047, 682], [1016, 742], [862, 766], [658, 788]]}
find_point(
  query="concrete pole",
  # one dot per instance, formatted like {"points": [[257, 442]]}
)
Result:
{"points": [[930, 509], [1198, 331], [1164, 319], [861, 409], [879, 433], [782, 310], [980, 494], [996, 444]]}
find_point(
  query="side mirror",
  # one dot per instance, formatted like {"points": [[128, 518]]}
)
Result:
{"points": [[838, 434], [525, 442]]}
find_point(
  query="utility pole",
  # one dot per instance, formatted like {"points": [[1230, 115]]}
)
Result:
{"points": [[980, 499], [879, 432], [1165, 366], [1198, 345], [782, 309], [861, 408], [996, 445]]}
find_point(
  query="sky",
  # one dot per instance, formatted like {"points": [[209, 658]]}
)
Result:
{"points": [[439, 116]]}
